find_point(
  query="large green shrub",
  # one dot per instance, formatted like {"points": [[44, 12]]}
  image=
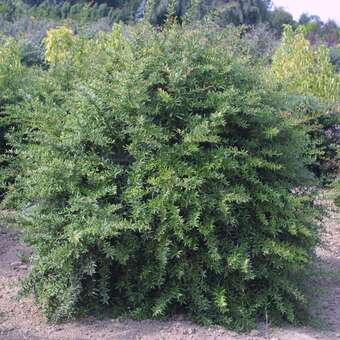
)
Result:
{"points": [[163, 178]]}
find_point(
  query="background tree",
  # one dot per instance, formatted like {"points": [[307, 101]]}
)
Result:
{"points": [[278, 18]]}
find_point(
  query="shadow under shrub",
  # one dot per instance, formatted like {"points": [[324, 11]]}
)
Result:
{"points": [[165, 179]]}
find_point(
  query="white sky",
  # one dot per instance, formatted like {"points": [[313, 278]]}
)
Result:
{"points": [[325, 9]]}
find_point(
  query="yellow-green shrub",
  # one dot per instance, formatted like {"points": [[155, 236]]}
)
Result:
{"points": [[312, 85], [58, 44], [303, 68]]}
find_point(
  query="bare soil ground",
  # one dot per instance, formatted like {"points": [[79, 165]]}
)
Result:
{"points": [[20, 320]]}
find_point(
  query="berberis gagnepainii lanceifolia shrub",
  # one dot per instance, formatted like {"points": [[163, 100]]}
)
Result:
{"points": [[159, 176]]}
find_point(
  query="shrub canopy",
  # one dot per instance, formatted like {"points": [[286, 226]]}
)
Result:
{"points": [[159, 176]]}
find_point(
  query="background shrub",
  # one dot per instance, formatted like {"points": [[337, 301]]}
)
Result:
{"points": [[158, 176], [322, 120], [305, 69], [313, 87], [12, 80], [335, 57], [336, 190]]}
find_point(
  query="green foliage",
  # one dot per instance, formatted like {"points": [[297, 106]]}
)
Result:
{"points": [[260, 42], [249, 12], [11, 81], [304, 69], [335, 57], [279, 17], [10, 70], [322, 121], [308, 72], [320, 32], [7, 10], [58, 43], [246, 12], [336, 189], [80, 11], [158, 175]]}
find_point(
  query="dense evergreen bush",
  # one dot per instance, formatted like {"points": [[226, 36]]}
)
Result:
{"points": [[161, 175]]}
